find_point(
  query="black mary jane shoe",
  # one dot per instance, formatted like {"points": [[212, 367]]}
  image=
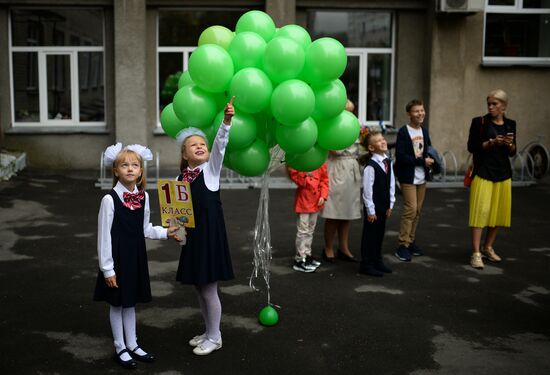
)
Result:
{"points": [[149, 358], [347, 258], [129, 364], [328, 259]]}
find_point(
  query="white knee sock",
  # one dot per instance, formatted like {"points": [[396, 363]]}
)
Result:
{"points": [[115, 316]]}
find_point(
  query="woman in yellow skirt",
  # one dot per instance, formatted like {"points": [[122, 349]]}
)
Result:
{"points": [[492, 140]]}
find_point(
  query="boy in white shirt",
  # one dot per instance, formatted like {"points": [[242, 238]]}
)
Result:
{"points": [[378, 201]]}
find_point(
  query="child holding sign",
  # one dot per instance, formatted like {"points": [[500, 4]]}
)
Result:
{"points": [[205, 257], [123, 279]]}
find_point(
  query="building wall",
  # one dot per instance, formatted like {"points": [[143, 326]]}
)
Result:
{"points": [[410, 61], [437, 59], [459, 86]]}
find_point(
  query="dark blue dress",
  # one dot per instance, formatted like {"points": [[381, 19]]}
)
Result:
{"points": [[205, 258], [130, 259]]}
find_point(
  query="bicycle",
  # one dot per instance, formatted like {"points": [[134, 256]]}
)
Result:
{"points": [[537, 156]]}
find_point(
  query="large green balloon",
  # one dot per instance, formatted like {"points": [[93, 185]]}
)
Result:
{"points": [[169, 121], [252, 90], [219, 35], [250, 161], [242, 132], [211, 68], [292, 101], [185, 79], [283, 59], [325, 61], [330, 99], [296, 33], [268, 316], [307, 161], [194, 106], [338, 132], [258, 22], [247, 50], [297, 139], [221, 99]]}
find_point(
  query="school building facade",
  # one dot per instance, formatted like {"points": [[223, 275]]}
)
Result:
{"points": [[77, 76]]}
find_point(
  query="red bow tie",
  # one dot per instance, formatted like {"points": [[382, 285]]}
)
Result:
{"points": [[133, 200], [190, 174]]}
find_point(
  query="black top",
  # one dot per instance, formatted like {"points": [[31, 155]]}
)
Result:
{"points": [[492, 164], [405, 160], [380, 189], [205, 258], [129, 257]]}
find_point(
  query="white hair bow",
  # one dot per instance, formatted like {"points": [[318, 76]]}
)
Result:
{"points": [[188, 132], [111, 152]]}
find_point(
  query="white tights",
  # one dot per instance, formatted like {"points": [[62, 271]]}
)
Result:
{"points": [[123, 325], [211, 309]]}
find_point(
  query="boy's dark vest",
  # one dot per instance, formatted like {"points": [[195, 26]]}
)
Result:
{"points": [[380, 188]]}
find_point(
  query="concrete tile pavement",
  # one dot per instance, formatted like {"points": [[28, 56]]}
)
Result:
{"points": [[434, 315]]}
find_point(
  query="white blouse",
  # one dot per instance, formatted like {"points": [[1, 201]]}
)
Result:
{"points": [[105, 222], [212, 168], [368, 182]]}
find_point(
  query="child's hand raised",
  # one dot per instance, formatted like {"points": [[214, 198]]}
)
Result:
{"points": [[228, 112]]}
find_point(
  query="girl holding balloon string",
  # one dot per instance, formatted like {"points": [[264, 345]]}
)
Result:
{"points": [[205, 258]]}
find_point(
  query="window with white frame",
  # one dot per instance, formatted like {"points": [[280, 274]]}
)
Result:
{"points": [[57, 67], [177, 37], [369, 40], [517, 32]]}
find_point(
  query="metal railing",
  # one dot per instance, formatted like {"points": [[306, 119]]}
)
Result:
{"points": [[451, 175]]}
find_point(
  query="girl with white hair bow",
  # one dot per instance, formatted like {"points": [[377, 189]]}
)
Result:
{"points": [[123, 225]]}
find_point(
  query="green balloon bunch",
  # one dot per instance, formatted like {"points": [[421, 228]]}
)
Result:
{"points": [[286, 89]]}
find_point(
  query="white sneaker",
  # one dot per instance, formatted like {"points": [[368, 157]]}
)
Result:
{"points": [[490, 254], [197, 340], [207, 346], [476, 261]]}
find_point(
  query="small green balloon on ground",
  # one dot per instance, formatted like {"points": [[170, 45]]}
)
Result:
{"points": [[268, 316]]}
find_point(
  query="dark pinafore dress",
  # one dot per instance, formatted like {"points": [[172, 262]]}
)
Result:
{"points": [[205, 258], [130, 259]]}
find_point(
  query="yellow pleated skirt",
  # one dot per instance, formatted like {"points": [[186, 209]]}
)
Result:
{"points": [[490, 203]]}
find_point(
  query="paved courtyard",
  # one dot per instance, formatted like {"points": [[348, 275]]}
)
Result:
{"points": [[435, 315]]}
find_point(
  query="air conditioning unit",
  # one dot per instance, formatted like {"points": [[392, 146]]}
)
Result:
{"points": [[460, 6]]}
